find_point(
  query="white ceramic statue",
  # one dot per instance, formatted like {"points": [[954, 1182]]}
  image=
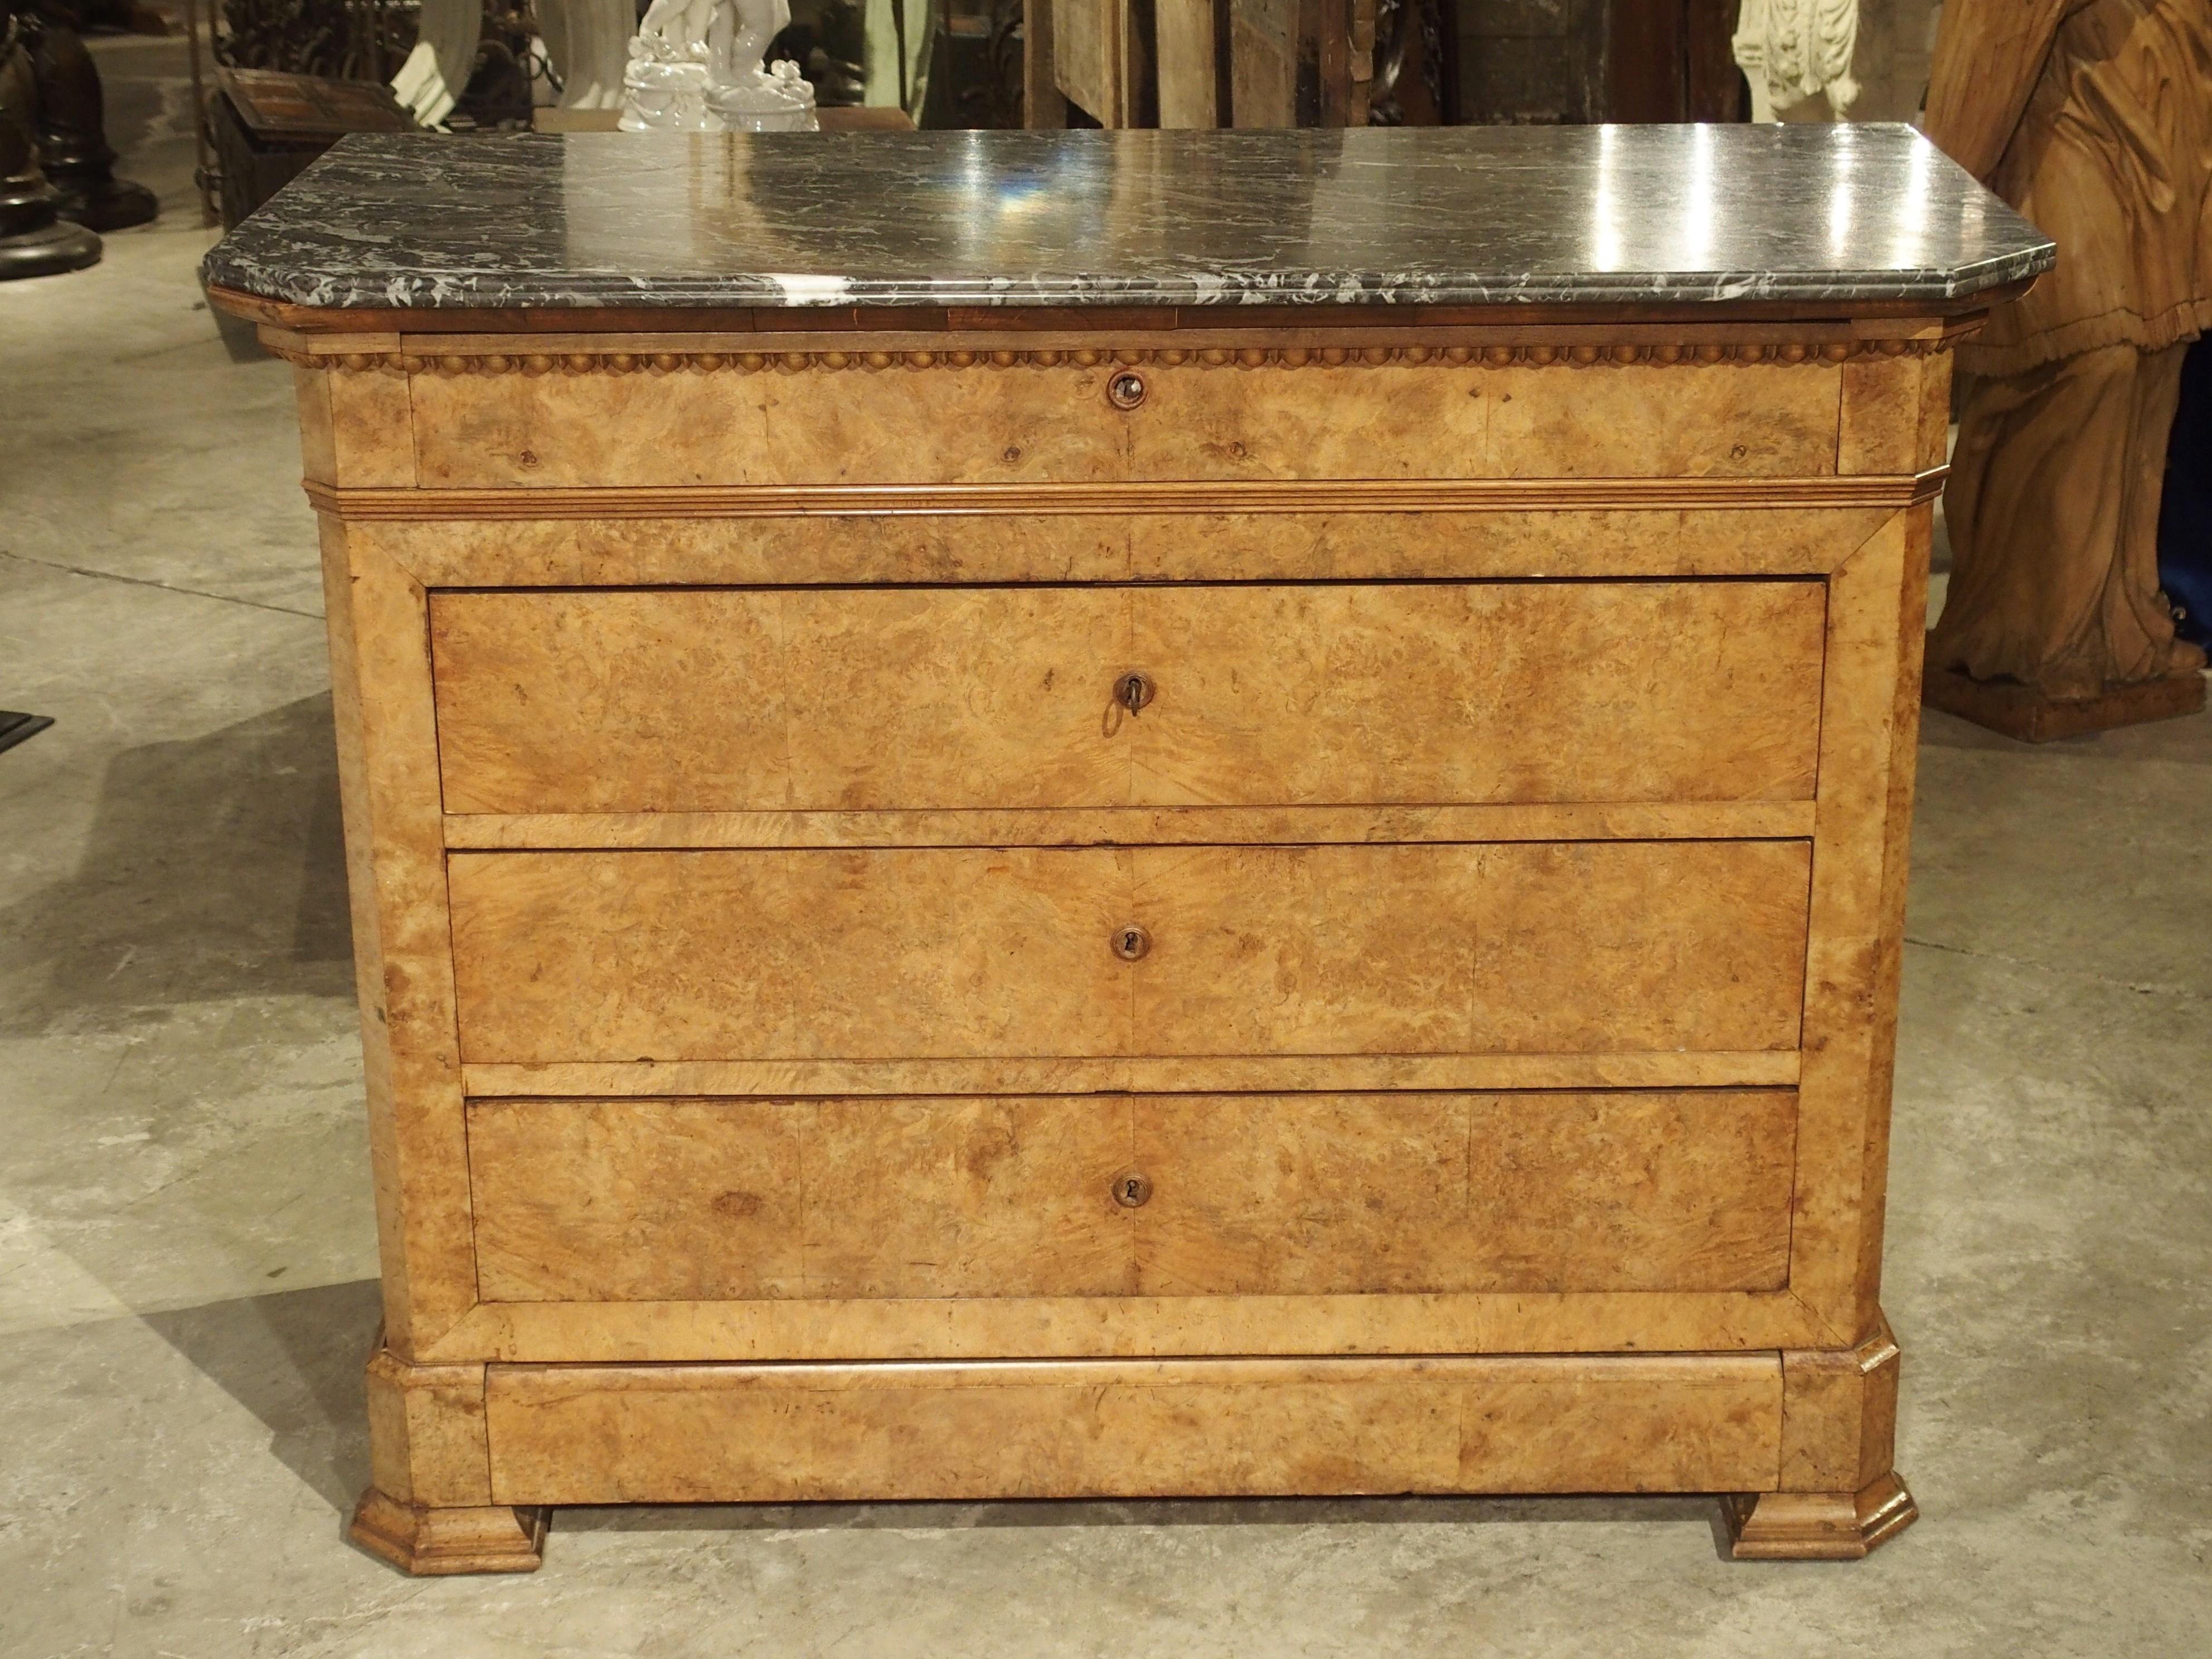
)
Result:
{"points": [[695, 66], [1789, 50]]}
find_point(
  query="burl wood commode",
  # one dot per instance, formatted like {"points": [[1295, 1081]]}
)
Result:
{"points": [[1037, 815]]}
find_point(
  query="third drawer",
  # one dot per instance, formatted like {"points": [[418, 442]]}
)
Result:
{"points": [[1131, 1195]]}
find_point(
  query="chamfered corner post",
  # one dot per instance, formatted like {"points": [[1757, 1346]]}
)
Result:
{"points": [[1837, 1497], [428, 1508]]}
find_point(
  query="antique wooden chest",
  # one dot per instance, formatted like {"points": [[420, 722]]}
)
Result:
{"points": [[1127, 813]]}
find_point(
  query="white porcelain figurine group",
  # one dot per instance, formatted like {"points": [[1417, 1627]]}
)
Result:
{"points": [[695, 66]]}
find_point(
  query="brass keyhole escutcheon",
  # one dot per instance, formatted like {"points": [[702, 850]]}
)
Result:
{"points": [[1126, 390], [1131, 942], [1134, 690], [1130, 1188]]}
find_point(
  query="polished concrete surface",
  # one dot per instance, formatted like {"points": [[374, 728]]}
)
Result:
{"points": [[186, 1245]]}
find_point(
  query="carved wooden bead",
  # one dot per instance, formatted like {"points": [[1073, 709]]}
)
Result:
{"points": [[1581, 353]]}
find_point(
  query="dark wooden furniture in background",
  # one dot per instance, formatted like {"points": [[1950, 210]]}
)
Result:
{"points": [[34, 239], [68, 120], [1597, 60], [1351, 63], [267, 126]]}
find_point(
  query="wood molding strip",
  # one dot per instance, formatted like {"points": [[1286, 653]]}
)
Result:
{"points": [[1152, 1328], [1136, 826], [1165, 1074], [1891, 491], [1441, 348], [1913, 318]]}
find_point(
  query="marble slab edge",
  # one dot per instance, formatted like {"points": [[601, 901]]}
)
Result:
{"points": [[587, 291]]}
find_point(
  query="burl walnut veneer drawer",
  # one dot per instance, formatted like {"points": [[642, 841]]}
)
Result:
{"points": [[698, 1200], [1060, 422], [703, 700], [1439, 948]]}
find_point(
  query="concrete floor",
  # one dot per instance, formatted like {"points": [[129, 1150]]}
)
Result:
{"points": [[185, 1248]]}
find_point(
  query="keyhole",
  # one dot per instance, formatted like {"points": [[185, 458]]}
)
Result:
{"points": [[1126, 391], [1130, 1188], [1131, 943], [1134, 691]]}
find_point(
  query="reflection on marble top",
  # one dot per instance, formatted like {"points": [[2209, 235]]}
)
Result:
{"points": [[1451, 215]]}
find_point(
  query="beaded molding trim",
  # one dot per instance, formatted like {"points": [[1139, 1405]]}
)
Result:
{"points": [[754, 362]]}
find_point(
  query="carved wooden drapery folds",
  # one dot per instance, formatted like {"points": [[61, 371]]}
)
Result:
{"points": [[2096, 120]]}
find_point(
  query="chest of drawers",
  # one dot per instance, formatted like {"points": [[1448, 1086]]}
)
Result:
{"points": [[1042, 901]]}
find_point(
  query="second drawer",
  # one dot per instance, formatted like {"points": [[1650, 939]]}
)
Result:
{"points": [[1282, 1194], [1582, 947]]}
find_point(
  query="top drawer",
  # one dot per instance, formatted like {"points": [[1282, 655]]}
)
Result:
{"points": [[827, 418], [920, 699]]}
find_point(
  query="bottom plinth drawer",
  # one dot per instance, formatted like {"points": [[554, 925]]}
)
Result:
{"points": [[703, 1200], [673, 1434]]}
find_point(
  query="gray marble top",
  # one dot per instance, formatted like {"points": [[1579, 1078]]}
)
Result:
{"points": [[1453, 215]]}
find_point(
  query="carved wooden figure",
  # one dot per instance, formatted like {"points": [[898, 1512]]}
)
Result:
{"points": [[1030, 884], [2096, 120]]}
